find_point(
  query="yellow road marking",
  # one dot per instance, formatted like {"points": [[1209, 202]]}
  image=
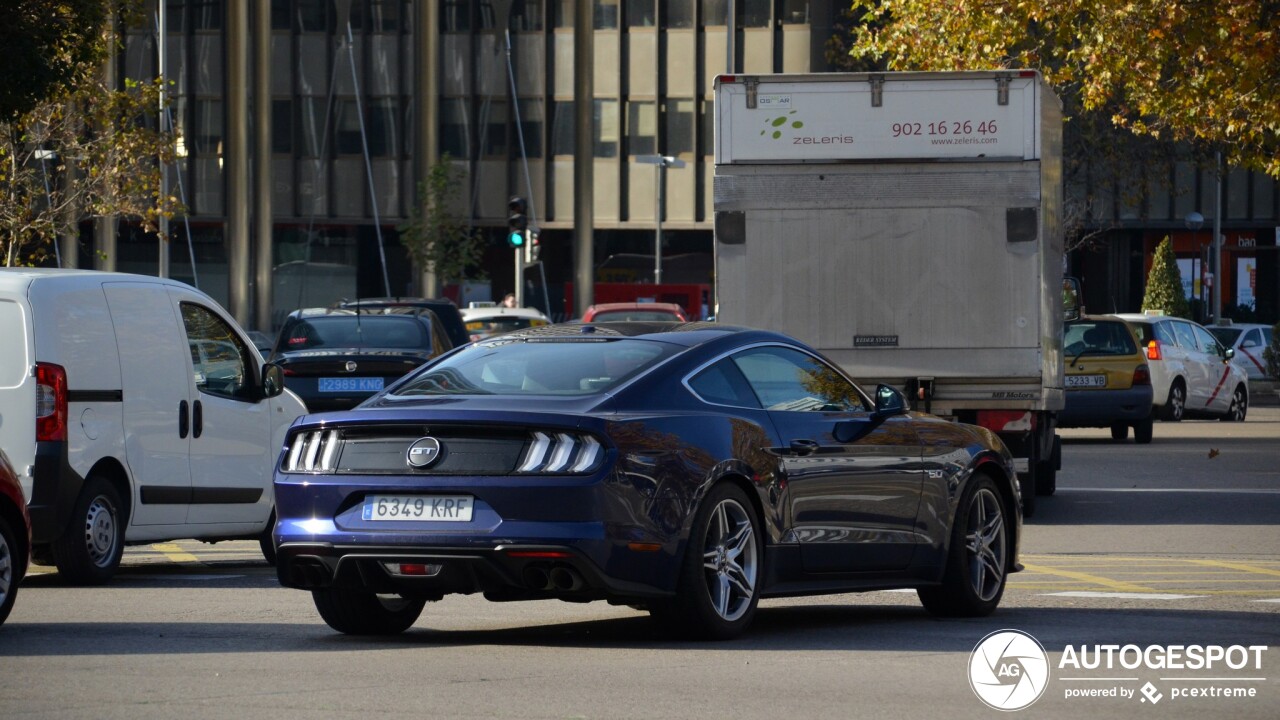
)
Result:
{"points": [[1236, 566], [175, 553], [1087, 578]]}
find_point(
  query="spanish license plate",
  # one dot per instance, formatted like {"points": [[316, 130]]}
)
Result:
{"points": [[350, 384], [1086, 381], [433, 508]]}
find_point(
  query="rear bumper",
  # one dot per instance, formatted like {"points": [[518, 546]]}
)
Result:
{"points": [[1101, 408], [54, 489]]}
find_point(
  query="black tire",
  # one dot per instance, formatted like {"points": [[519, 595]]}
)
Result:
{"points": [[89, 551], [979, 531], [11, 568], [1046, 479], [1239, 406], [1143, 430], [268, 543], [1176, 404], [42, 555], [361, 612], [1027, 484], [1119, 432], [719, 584]]}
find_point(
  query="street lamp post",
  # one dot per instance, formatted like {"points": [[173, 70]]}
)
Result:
{"points": [[1194, 221], [662, 162]]}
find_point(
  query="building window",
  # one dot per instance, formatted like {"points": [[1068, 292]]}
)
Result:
{"points": [[494, 142], [606, 14], [282, 126], [795, 12], [313, 126], [677, 13], [677, 127], [563, 13], [715, 12], [640, 13], [708, 125], [605, 115], [455, 15], [280, 17], [313, 15], [348, 134], [531, 121], [208, 127], [562, 124], [642, 128], [207, 14], [453, 128], [526, 15], [383, 127], [755, 13]]}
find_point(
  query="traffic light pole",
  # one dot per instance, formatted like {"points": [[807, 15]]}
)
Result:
{"points": [[519, 293]]}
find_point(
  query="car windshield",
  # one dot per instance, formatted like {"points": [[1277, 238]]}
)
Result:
{"points": [[633, 316], [345, 331], [1098, 337], [1226, 335], [537, 367]]}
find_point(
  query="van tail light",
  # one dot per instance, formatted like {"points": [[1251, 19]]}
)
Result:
{"points": [[1142, 375], [1153, 350], [1007, 420], [51, 402]]}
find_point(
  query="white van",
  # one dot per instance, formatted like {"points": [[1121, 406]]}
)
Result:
{"points": [[119, 431]]}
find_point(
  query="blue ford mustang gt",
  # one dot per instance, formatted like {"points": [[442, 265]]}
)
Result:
{"points": [[686, 468]]}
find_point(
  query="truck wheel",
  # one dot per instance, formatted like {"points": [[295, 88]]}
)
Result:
{"points": [[1027, 487], [88, 553], [977, 559], [1142, 431], [1046, 478], [1119, 431]]}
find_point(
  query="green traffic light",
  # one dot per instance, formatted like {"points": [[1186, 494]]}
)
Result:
{"points": [[516, 239]]}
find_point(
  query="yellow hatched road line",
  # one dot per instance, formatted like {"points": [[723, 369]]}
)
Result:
{"points": [[175, 553], [1096, 580], [1241, 567]]}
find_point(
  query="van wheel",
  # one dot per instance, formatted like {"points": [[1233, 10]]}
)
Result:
{"points": [[1142, 431], [1176, 405], [268, 543], [88, 553]]}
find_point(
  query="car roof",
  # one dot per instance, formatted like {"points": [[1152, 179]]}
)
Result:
{"points": [[666, 307], [682, 333], [489, 312]]}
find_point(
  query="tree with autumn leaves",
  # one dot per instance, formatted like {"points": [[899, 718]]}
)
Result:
{"points": [[1201, 73], [73, 145]]}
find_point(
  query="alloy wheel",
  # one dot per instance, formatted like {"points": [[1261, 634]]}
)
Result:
{"points": [[6, 569], [730, 560], [986, 544], [1177, 402], [1239, 406]]}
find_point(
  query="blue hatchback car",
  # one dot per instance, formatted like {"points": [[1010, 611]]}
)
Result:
{"points": [[687, 468]]}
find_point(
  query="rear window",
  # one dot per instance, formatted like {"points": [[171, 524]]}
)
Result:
{"points": [[537, 367], [1225, 335], [633, 316], [1102, 337], [345, 331], [13, 350]]}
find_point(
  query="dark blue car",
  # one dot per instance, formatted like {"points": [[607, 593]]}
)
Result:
{"points": [[687, 468]]}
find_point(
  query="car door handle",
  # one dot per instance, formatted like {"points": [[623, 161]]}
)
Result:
{"points": [[183, 422], [803, 447], [197, 420]]}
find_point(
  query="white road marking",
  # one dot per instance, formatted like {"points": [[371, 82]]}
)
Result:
{"points": [[1270, 600], [1122, 595], [1210, 491]]}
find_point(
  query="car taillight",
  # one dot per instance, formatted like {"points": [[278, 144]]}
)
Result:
{"points": [[51, 402], [561, 453], [1153, 350], [1142, 375], [1007, 420]]}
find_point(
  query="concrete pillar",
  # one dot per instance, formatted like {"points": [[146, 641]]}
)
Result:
{"points": [[262, 221], [426, 31], [237, 159], [583, 158]]}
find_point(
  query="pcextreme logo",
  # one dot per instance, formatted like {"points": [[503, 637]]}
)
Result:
{"points": [[1008, 670]]}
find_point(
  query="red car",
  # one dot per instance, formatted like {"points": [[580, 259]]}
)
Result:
{"points": [[609, 312], [15, 536]]}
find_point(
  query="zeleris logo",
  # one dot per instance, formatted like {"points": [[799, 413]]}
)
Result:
{"points": [[1008, 670]]}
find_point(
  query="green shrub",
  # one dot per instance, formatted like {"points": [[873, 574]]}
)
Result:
{"points": [[1164, 284]]}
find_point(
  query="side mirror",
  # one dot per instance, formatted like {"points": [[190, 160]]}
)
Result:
{"points": [[272, 380], [1070, 299], [1229, 353], [889, 402]]}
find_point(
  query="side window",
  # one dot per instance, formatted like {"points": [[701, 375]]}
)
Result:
{"points": [[1253, 338], [723, 384], [1164, 333], [219, 359], [1207, 343], [1186, 338], [786, 379]]}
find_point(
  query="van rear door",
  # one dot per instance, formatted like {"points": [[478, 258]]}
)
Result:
{"points": [[154, 362], [17, 387]]}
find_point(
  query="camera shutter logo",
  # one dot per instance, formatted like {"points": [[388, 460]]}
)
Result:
{"points": [[423, 453], [1008, 670]]}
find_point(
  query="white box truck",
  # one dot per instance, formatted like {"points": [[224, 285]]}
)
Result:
{"points": [[908, 226]]}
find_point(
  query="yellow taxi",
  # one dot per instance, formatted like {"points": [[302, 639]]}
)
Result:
{"points": [[1108, 381]]}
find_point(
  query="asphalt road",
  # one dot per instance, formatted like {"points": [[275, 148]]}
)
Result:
{"points": [[1172, 543]]}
